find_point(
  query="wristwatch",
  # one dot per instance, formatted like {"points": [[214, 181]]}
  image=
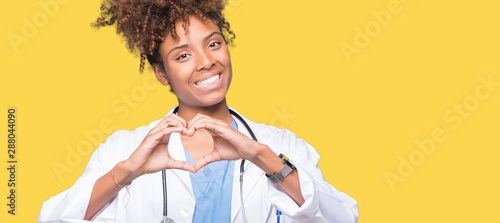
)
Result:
{"points": [[284, 171]]}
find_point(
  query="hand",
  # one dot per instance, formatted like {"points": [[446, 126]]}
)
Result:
{"points": [[228, 143], [152, 154]]}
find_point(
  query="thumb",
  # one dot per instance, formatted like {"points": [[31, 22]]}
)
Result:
{"points": [[181, 165], [206, 159]]}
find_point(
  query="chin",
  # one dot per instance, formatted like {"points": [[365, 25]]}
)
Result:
{"points": [[215, 101]]}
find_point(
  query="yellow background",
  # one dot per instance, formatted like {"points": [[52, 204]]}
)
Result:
{"points": [[362, 116]]}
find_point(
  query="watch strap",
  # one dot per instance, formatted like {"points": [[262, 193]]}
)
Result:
{"points": [[283, 172]]}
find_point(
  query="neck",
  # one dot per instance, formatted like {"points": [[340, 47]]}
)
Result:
{"points": [[218, 111]]}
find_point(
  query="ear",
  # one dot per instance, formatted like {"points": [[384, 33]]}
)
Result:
{"points": [[160, 74]]}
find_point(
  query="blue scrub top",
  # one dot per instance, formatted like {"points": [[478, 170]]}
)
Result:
{"points": [[213, 188]]}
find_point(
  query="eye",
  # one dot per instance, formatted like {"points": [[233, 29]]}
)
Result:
{"points": [[183, 56], [214, 44]]}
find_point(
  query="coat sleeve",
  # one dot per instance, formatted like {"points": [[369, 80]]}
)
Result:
{"points": [[71, 204], [323, 203]]}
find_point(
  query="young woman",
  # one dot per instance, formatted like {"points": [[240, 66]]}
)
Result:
{"points": [[193, 157]]}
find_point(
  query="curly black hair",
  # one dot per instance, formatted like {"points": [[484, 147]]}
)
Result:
{"points": [[145, 23]]}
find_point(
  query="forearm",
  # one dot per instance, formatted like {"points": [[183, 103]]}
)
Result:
{"points": [[105, 189], [270, 163]]}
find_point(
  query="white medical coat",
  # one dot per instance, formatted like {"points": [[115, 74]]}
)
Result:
{"points": [[143, 202]]}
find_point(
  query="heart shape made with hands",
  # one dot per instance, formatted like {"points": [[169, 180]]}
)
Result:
{"points": [[206, 146], [206, 139]]}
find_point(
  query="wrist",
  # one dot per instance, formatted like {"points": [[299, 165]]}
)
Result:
{"points": [[267, 160], [123, 173]]}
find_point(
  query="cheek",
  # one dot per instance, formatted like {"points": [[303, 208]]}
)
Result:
{"points": [[224, 58], [179, 73]]}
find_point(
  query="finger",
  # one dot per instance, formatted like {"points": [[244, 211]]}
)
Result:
{"points": [[190, 131], [196, 117], [225, 135], [167, 119], [172, 124], [178, 118], [200, 117], [179, 122], [209, 158], [168, 131], [167, 123], [214, 128], [180, 165], [162, 136], [171, 118], [199, 121], [163, 124]]}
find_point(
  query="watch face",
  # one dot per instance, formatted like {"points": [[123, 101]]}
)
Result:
{"points": [[283, 156], [287, 161]]}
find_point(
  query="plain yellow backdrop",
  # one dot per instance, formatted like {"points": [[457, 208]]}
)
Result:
{"points": [[363, 81]]}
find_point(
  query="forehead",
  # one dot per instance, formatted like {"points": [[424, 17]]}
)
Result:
{"points": [[196, 30]]}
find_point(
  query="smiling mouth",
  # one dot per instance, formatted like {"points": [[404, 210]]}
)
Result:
{"points": [[208, 81]]}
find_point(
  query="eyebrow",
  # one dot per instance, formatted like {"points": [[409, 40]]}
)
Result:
{"points": [[177, 47], [185, 45], [211, 34]]}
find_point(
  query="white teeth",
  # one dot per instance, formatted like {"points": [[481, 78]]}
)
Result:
{"points": [[208, 81]]}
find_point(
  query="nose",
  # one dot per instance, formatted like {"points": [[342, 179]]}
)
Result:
{"points": [[204, 60]]}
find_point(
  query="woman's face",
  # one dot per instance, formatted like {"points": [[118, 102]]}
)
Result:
{"points": [[197, 64]]}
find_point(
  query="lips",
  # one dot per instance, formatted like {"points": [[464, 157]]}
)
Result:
{"points": [[209, 81]]}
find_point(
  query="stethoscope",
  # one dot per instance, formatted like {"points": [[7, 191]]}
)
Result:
{"points": [[242, 170]]}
